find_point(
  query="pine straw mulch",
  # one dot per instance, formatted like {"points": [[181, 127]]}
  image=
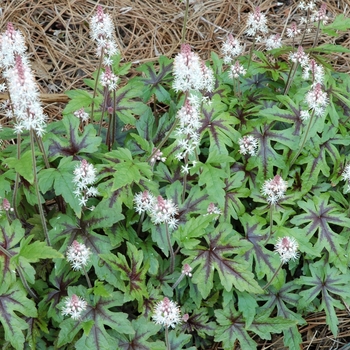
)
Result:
{"points": [[62, 55]]}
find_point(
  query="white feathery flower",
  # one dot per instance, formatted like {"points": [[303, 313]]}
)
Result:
{"points": [[287, 248], [164, 211], [190, 72], [81, 114], [346, 176], [273, 42], [320, 15], [316, 71], [274, 189], [257, 22], [231, 48], [213, 209], [74, 306], [299, 57], [293, 30], [248, 144], [304, 115], [25, 97], [108, 79], [189, 123], [317, 100], [78, 255], [144, 201], [101, 31], [167, 313], [84, 177], [236, 70], [11, 44]]}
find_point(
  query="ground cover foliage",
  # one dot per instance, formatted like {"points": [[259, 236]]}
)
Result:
{"points": [[199, 205]]}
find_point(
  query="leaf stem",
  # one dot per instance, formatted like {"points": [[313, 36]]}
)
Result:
{"points": [[36, 186], [172, 255], [304, 139], [20, 272], [95, 87], [251, 52], [87, 277], [273, 277], [163, 141], [183, 34], [167, 338], [16, 185]]}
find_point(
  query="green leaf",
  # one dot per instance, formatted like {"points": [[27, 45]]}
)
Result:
{"points": [[339, 23], [13, 301], [329, 49], [37, 250], [177, 342], [61, 179], [331, 283], [232, 327], [248, 306], [141, 340], [75, 142], [98, 311], [212, 177], [79, 99], [194, 228], [233, 273], [10, 236], [133, 273], [128, 170], [23, 166], [319, 221]]}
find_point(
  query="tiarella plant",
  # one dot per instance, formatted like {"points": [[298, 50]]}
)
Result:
{"points": [[192, 204]]}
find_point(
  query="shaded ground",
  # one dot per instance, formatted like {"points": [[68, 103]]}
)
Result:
{"points": [[57, 35]]}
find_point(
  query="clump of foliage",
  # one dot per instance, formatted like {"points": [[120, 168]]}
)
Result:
{"points": [[205, 199]]}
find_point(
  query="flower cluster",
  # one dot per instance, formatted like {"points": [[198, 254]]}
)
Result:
{"points": [[157, 155], [248, 145], [143, 201], [84, 177], [299, 57], [78, 255], [317, 100], [5, 206], [346, 176], [164, 211], [314, 71], [236, 70], [213, 209], [101, 30], [11, 45], [190, 72], [74, 306], [25, 103], [274, 189], [187, 130], [231, 48], [167, 313], [320, 15], [257, 22], [273, 42], [293, 30], [187, 270], [81, 114], [109, 79], [25, 97], [287, 248], [159, 209]]}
